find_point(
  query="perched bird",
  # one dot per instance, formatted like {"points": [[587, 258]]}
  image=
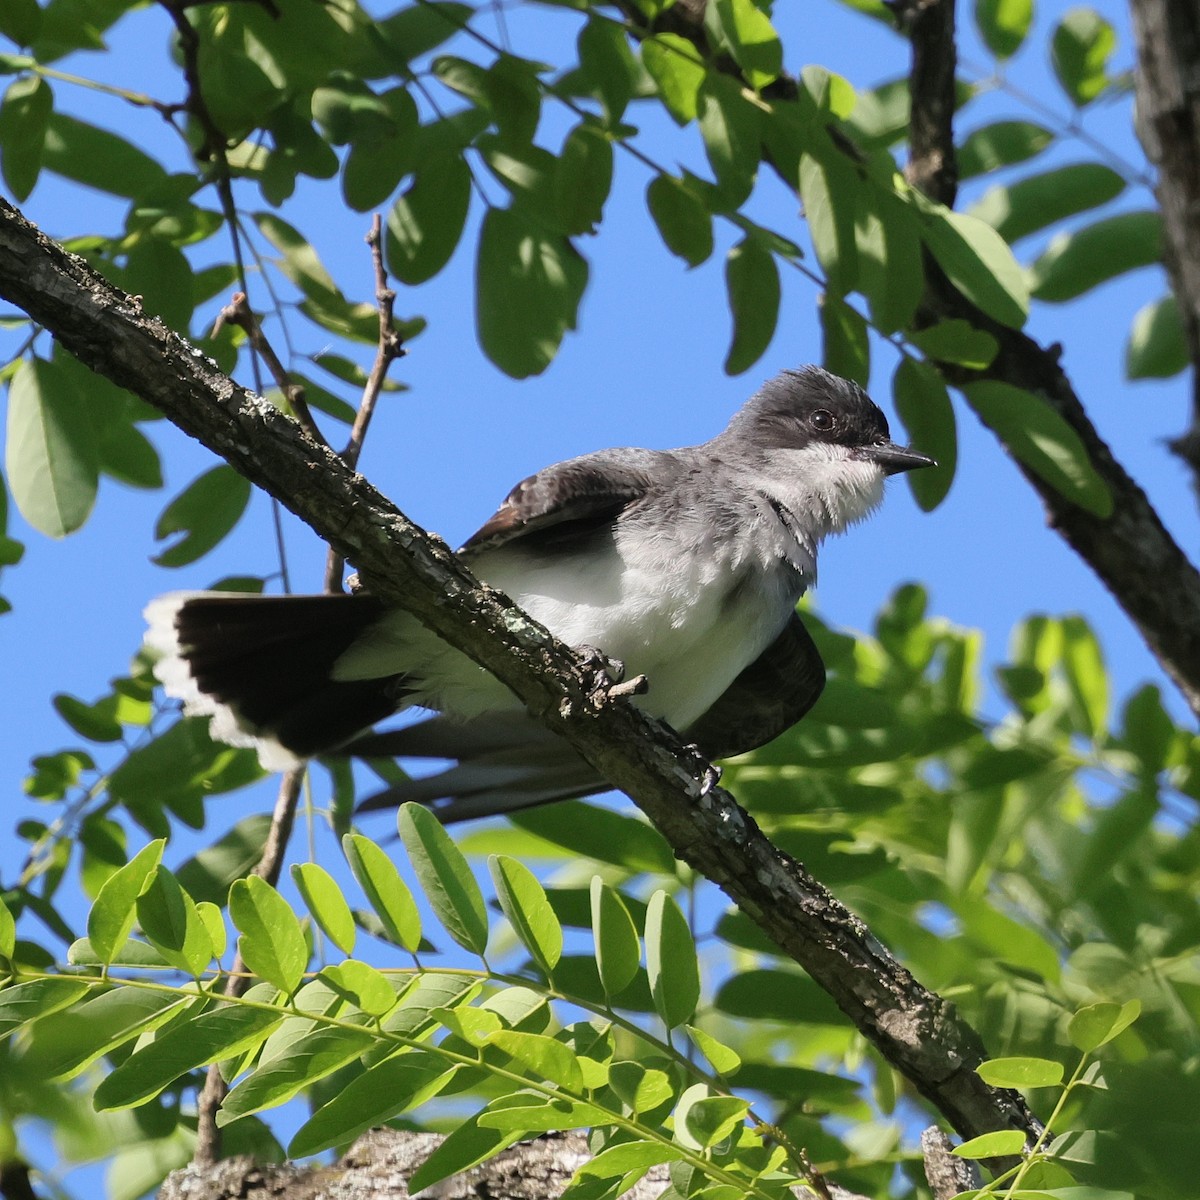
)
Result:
{"points": [[684, 565]]}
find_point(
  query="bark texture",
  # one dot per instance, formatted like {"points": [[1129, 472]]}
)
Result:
{"points": [[1168, 123], [915, 1030]]}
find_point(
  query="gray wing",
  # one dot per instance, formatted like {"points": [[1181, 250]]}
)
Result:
{"points": [[505, 762], [573, 498]]}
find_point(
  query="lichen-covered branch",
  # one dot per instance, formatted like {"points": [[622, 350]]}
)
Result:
{"points": [[915, 1030]]}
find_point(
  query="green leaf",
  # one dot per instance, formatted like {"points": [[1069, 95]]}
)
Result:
{"points": [[323, 898], [1083, 666], [160, 273], [272, 942], [548, 1059], [205, 512], [1003, 24], [617, 949], [308, 1059], [1020, 1072], [977, 261], [386, 892], [616, 1162], [1042, 440], [528, 285], [671, 961], [683, 219], [1000, 145], [168, 917], [214, 923], [847, 349], [51, 455], [923, 404], [702, 1119], [752, 284], [1081, 46], [1032, 203], [752, 39], [725, 1061], [382, 1092], [524, 902], [234, 855], [416, 30], [730, 127], [583, 179], [100, 159], [25, 1002], [426, 222], [224, 1032], [958, 342], [127, 455], [24, 118], [1157, 346], [362, 985], [600, 834], [64, 1044], [1000, 1143], [446, 878], [888, 255], [348, 110], [607, 63], [111, 918], [829, 189], [95, 722], [20, 21], [8, 931], [676, 67], [468, 1144], [1098, 1024]]}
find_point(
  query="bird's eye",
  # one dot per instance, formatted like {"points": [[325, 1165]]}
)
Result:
{"points": [[822, 420]]}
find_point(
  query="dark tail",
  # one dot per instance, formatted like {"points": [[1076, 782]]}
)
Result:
{"points": [[261, 667]]}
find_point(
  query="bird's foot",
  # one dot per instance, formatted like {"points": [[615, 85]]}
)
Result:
{"points": [[607, 676], [711, 777]]}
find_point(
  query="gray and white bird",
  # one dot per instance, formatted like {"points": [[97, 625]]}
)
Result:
{"points": [[684, 565]]}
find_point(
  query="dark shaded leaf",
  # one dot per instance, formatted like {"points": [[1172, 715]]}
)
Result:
{"points": [[51, 455], [1003, 24], [100, 159], [1076, 262], [205, 512], [1157, 348], [730, 126], [1000, 145], [923, 404], [24, 116], [1042, 440], [752, 284], [847, 349], [583, 179], [528, 285], [684, 221], [1081, 46], [1032, 203]]}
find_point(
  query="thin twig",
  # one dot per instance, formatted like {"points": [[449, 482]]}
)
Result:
{"points": [[238, 312], [389, 348], [269, 868]]}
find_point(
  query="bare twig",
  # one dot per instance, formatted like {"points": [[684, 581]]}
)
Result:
{"points": [[389, 348], [270, 866], [238, 312]]}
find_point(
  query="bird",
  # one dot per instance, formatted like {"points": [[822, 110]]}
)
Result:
{"points": [[684, 566]]}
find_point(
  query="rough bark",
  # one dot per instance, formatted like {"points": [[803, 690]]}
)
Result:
{"points": [[1168, 124], [932, 164], [914, 1029]]}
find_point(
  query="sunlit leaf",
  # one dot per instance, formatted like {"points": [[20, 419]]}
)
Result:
{"points": [[1042, 440], [1082, 43], [618, 951], [1157, 346], [1000, 145], [324, 899], [271, 942], [1020, 1072], [111, 918], [752, 285], [51, 455], [524, 902], [671, 961], [445, 877], [1018, 209], [1078, 261], [923, 404], [1003, 24]]}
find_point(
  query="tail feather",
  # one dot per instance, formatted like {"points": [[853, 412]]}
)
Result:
{"points": [[261, 667], [501, 762]]}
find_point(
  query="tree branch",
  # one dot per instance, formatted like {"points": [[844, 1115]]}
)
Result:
{"points": [[915, 1030], [1168, 123], [932, 166]]}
